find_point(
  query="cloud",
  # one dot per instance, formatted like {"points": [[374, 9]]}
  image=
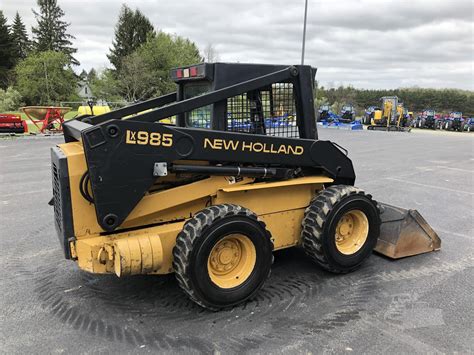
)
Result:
{"points": [[365, 43]]}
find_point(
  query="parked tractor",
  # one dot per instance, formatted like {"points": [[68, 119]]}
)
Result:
{"points": [[369, 114], [427, 119], [454, 122], [347, 114], [324, 113], [469, 125]]}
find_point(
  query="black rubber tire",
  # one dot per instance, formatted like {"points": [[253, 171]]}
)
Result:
{"points": [[195, 242], [319, 227]]}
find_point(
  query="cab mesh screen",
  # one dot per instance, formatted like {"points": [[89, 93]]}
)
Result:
{"points": [[270, 111]]}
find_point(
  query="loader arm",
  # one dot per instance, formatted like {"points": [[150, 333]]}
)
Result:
{"points": [[121, 156]]}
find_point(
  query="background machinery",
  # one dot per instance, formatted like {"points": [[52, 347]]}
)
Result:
{"points": [[410, 118], [346, 120], [46, 118], [324, 113], [469, 125], [369, 114], [454, 122], [211, 197], [12, 123], [93, 108], [427, 119], [347, 114], [391, 117]]}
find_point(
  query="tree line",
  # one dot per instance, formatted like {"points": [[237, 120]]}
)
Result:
{"points": [[414, 99]]}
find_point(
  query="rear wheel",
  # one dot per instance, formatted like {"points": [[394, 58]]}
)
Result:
{"points": [[222, 256], [340, 228]]}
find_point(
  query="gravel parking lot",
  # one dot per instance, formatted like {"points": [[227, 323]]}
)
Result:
{"points": [[422, 304]]}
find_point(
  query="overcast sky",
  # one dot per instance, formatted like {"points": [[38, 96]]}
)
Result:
{"points": [[366, 43]]}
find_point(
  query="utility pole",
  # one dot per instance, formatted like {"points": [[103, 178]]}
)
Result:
{"points": [[46, 79], [304, 31]]}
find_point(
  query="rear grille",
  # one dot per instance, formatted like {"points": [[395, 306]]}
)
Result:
{"points": [[62, 199], [57, 198]]}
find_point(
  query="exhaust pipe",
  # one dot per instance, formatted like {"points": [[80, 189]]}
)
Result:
{"points": [[404, 233]]}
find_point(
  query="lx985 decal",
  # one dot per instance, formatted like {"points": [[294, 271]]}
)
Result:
{"points": [[149, 138]]}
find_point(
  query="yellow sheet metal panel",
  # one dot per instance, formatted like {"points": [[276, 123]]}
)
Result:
{"points": [[179, 212], [285, 227], [153, 205], [271, 199]]}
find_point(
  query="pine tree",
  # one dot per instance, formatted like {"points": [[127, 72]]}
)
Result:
{"points": [[83, 74], [132, 30], [20, 38], [7, 55], [51, 32], [92, 75]]}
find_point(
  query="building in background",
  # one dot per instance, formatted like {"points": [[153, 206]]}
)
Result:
{"points": [[84, 90]]}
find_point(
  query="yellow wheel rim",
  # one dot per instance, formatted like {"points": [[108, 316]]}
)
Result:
{"points": [[231, 261], [351, 232]]}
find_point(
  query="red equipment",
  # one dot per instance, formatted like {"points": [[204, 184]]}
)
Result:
{"points": [[46, 118], [11, 123]]}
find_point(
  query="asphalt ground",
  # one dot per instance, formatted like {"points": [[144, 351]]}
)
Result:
{"points": [[422, 304]]}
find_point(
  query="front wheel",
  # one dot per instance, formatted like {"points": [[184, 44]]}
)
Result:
{"points": [[222, 256], [340, 228]]}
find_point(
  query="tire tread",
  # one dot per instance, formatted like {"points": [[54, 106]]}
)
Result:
{"points": [[188, 237], [314, 220]]}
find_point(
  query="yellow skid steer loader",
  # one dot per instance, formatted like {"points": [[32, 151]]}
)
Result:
{"points": [[241, 174]]}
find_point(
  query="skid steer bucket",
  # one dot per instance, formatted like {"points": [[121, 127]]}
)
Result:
{"points": [[404, 233]]}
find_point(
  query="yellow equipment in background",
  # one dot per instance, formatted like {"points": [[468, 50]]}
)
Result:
{"points": [[93, 110], [377, 117], [391, 117]]}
